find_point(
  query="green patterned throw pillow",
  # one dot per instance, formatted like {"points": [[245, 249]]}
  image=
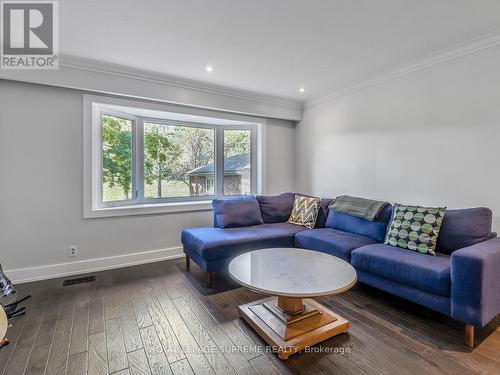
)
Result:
{"points": [[305, 211], [415, 228]]}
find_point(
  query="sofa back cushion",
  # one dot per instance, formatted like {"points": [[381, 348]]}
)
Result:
{"points": [[375, 230], [236, 212], [276, 208], [323, 212], [464, 227]]}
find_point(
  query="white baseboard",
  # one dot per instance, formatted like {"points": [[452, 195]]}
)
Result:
{"points": [[51, 271]]}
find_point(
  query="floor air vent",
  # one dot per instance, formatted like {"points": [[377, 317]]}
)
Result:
{"points": [[79, 280]]}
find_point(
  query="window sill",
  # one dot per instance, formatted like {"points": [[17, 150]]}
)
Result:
{"points": [[147, 209]]}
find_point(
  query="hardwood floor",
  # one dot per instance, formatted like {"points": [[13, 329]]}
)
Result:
{"points": [[151, 320]]}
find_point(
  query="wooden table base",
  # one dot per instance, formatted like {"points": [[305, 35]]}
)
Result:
{"points": [[289, 325]]}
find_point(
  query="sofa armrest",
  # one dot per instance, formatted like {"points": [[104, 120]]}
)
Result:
{"points": [[475, 283]]}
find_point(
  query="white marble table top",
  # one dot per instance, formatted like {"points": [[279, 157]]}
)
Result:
{"points": [[291, 272]]}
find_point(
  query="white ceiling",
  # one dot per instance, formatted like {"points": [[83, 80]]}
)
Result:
{"points": [[270, 46]]}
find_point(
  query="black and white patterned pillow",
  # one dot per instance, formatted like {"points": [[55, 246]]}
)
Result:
{"points": [[415, 228], [305, 211]]}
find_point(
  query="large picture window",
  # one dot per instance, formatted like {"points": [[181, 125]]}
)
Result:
{"points": [[169, 158]]}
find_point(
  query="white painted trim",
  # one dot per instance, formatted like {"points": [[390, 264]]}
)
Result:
{"points": [[457, 51], [52, 271], [146, 209], [100, 77]]}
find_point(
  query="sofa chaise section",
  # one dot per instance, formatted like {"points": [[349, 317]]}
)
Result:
{"points": [[212, 248]]}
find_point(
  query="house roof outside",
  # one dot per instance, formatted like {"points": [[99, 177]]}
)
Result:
{"points": [[232, 164]]}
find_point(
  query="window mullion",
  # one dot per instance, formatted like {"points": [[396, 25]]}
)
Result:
{"points": [[139, 160], [254, 157], [219, 161]]}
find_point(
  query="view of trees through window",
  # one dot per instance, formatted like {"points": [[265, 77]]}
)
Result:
{"points": [[116, 158], [179, 160], [170, 153]]}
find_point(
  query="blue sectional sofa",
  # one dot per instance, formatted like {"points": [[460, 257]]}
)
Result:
{"points": [[462, 281]]}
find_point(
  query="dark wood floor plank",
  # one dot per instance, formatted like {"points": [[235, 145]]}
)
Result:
{"points": [[58, 357], [77, 364], [154, 351], [227, 325], [489, 347], [80, 331], [38, 360], [138, 363], [13, 335], [223, 307], [168, 339], [96, 310], [182, 368], [128, 322], [263, 366], [98, 356], [212, 351], [20, 357], [122, 372], [115, 346], [190, 308], [141, 311], [47, 329], [19, 324], [193, 353], [109, 297]]}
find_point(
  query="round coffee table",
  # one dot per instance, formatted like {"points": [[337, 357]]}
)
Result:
{"points": [[291, 321]]}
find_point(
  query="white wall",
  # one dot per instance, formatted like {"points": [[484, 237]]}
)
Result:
{"points": [[41, 187], [431, 137]]}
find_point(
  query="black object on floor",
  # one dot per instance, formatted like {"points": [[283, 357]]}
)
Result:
{"points": [[78, 280], [221, 282], [11, 309]]}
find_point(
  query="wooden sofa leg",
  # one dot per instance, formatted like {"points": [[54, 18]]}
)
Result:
{"points": [[210, 276], [188, 263], [469, 335]]}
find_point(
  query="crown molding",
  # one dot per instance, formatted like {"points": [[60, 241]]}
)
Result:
{"points": [[454, 52], [97, 76], [185, 83]]}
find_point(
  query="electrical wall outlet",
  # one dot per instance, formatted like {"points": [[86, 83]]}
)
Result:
{"points": [[73, 251]]}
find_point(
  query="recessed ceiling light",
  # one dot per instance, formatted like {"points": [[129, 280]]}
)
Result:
{"points": [[302, 89], [209, 68]]}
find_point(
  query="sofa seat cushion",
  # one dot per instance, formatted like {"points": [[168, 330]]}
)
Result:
{"points": [[430, 274], [216, 243], [331, 241]]}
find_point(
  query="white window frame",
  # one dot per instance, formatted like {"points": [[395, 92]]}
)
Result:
{"points": [[95, 107]]}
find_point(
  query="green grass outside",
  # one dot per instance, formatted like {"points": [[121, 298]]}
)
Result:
{"points": [[169, 189]]}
